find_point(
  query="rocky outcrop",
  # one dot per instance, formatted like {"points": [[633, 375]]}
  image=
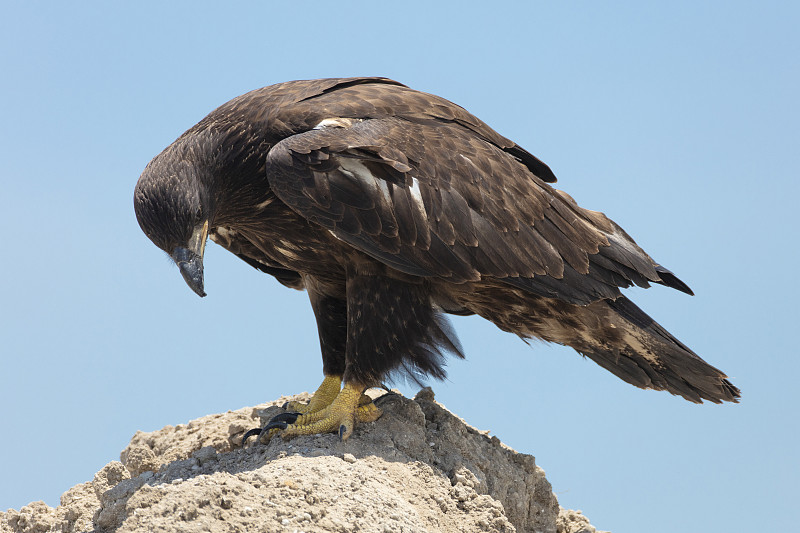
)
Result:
{"points": [[418, 468]]}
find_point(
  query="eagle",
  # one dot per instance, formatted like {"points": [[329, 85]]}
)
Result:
{"points": [[392, 208]]}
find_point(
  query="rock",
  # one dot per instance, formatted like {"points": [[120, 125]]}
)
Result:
{"points": [[574, 522], [418, 468]]}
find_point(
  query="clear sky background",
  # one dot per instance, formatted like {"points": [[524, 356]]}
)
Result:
{"points": [[680, 122]]}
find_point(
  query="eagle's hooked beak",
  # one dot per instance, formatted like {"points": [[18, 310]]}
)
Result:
{"points": [[190, 259]]}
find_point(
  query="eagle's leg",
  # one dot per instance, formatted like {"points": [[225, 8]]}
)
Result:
{"points": [[387, 323], [374, 322]]}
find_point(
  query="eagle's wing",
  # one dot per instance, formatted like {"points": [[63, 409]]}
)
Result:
{"points": [[434, 198]]}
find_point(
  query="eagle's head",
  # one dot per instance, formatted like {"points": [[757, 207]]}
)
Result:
{"points": [[173, 207]]}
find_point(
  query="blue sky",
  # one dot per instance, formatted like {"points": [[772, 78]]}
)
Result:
{"points": [[680, 122]]}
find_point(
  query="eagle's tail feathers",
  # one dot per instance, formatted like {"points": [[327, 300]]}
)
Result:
{"points": [[648, 356], [614, 333]]}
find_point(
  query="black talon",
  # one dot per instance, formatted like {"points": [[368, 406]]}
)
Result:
{"points": [[342, 429], [255, 431], [280, 424], [289, 417], [285, 405]]}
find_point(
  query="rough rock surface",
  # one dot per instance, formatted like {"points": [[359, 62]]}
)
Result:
{"points": [[418, 468]]}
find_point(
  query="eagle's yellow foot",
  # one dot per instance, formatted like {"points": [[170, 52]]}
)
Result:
{"points": [[349, 406], [339, 414], [366, 412], [322, 398]]}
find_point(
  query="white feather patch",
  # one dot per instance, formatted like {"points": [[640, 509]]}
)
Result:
{"points": [[264, 204], [334, 235], [337, 122], [356, 169], [222, 236], [384, 187], [416, 195]]}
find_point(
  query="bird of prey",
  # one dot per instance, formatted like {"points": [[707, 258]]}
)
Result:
{"points": [[392, 208]]}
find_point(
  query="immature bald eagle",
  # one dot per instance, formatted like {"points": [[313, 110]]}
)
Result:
{"points": [[390, 207]]}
